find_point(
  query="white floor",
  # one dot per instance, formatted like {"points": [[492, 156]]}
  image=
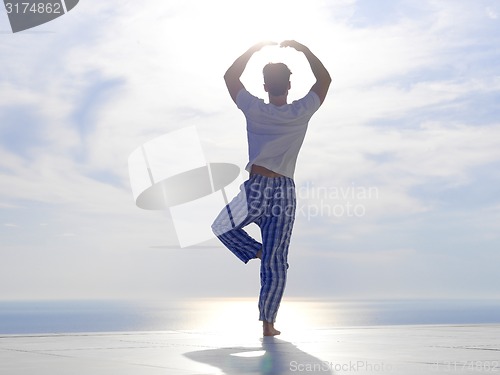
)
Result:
{"points": [[469, 349]]}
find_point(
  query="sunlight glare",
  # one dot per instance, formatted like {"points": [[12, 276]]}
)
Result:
{"points": [[240, 316], [256, 353]]}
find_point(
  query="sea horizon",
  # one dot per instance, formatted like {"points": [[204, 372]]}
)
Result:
{"points": [[21, 317]]}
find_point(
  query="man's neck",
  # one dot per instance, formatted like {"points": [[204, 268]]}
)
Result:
{"points": [[278, 100]]}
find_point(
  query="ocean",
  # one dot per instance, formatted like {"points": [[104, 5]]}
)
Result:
{"points": [[213, 314]]}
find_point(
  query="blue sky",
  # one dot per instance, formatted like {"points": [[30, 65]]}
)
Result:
{"points": [[412, 113]]}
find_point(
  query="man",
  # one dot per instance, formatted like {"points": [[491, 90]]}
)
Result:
{"points": [[275, 132]]}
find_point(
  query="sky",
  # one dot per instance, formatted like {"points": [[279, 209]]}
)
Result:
{"points": [[397, 180]]}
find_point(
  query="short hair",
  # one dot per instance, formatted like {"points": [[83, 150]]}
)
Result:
{"points": [[276, 78]]}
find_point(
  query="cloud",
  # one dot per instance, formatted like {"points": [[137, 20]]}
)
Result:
{"points": [[491, 13], [412, 112]]}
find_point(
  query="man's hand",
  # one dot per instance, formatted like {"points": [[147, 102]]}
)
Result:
{"points": [[294, 44], [260, 45]]}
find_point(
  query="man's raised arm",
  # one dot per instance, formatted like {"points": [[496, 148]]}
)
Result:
{"points": [[233, 74], [322, 76]]}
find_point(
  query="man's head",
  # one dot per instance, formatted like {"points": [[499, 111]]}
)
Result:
{"points": [[276, 79]]}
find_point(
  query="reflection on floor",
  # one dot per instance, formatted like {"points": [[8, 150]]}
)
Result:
{"points": [[466, 349]]}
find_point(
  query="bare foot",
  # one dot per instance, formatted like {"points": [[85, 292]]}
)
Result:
{"points": [[269, 329], [259, 254]]}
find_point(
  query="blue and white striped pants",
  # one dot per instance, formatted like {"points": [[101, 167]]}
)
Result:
{"points": [[270, 203]]}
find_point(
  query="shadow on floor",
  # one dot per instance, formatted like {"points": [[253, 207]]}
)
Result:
{"points": [[274, 357]]}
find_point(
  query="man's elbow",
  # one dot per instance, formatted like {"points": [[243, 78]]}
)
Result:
{"points": [[326, 82], [323, 82], [328, 78], [228, 76]]}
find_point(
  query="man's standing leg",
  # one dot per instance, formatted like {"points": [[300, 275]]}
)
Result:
{"points": [[276, 227]]}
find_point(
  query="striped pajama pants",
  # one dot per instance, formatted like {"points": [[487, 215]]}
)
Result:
{"points": [[270, 203]]}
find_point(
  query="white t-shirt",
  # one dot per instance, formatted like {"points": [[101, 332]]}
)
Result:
{"points": [[275, 134]]}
